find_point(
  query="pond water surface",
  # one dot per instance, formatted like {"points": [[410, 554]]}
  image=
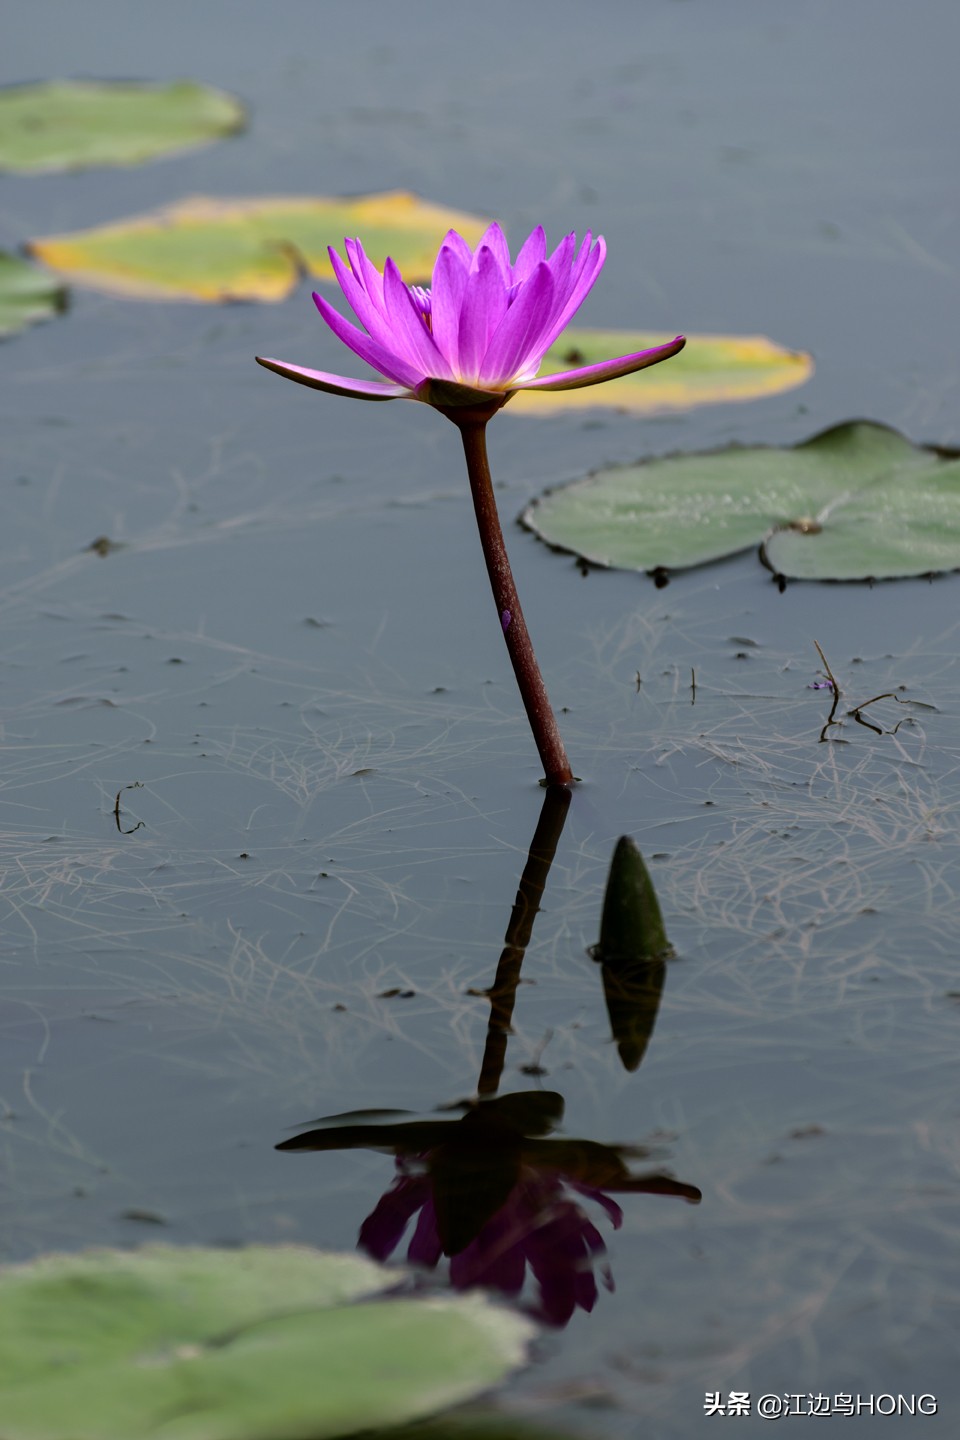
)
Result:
{"points": [[293, 657]]}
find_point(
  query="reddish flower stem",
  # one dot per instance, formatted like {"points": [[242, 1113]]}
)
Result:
{"points": [[556, 766]]}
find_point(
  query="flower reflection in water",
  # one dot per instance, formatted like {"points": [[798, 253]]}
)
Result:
{"points": [[498, 1198]]}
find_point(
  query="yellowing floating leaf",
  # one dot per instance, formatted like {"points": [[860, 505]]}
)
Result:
{"points": [[71, 125], [710, 370], [214, 250], [26, 295]]}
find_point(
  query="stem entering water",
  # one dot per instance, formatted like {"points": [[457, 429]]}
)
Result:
{"points": [[546, 733]]}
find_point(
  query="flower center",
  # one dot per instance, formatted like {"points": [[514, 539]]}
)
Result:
{"points": [[421, 298]]}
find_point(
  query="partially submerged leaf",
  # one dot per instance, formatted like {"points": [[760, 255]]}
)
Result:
{"points": [[252, 1344], [26, 295], [72, 125], [857, 502], [632, 949], [710, 370], [254, 249], [631, 925]]}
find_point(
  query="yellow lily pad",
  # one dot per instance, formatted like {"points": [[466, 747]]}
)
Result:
{"points": [[255, 249], [710, 370], [73, 125]]}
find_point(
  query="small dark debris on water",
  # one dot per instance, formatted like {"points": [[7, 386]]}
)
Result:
{"points": [[103, 545], [396, 994], [143, 1217], [806, 1132]]}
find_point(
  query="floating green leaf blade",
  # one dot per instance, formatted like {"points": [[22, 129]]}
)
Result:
{"points": [[255, 1344], [26, 295], [254, 249], [72, 125], [856, 502]]}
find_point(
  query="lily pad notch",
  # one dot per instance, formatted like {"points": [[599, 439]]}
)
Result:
{"points": [[856, 502]]}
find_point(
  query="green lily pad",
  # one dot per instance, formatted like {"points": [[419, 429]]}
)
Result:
{"points": [[710, 370], [857, 502], [26, 295], [255, 1344], [255, 249], [72, 125]]}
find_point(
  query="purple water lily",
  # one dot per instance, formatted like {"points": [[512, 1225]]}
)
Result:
{"points": [[478, 335], [465, 346]]}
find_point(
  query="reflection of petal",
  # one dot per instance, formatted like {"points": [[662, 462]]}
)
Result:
{"points": [[382, 1231], [611, 1206], [562, 1250], [495, 1258], [425, 1247]]}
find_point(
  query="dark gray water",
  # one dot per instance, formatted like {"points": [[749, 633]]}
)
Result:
{"points": [[294, 656]]}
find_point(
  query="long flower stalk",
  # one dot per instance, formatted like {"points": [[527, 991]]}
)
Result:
{"points": [[533, 693]]}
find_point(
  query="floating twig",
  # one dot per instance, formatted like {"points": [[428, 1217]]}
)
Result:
{"points": [[136, 785]]}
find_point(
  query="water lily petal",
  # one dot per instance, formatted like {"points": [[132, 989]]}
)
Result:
{"points": [[336, 384], [532, 251], [583, 276], [446, 294], [367, 311], [366, 272], [484, 306], [605, 370], [411, 337], [388, 362], [562, 259], [454, 241], [496, 242], [513, 348]]}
